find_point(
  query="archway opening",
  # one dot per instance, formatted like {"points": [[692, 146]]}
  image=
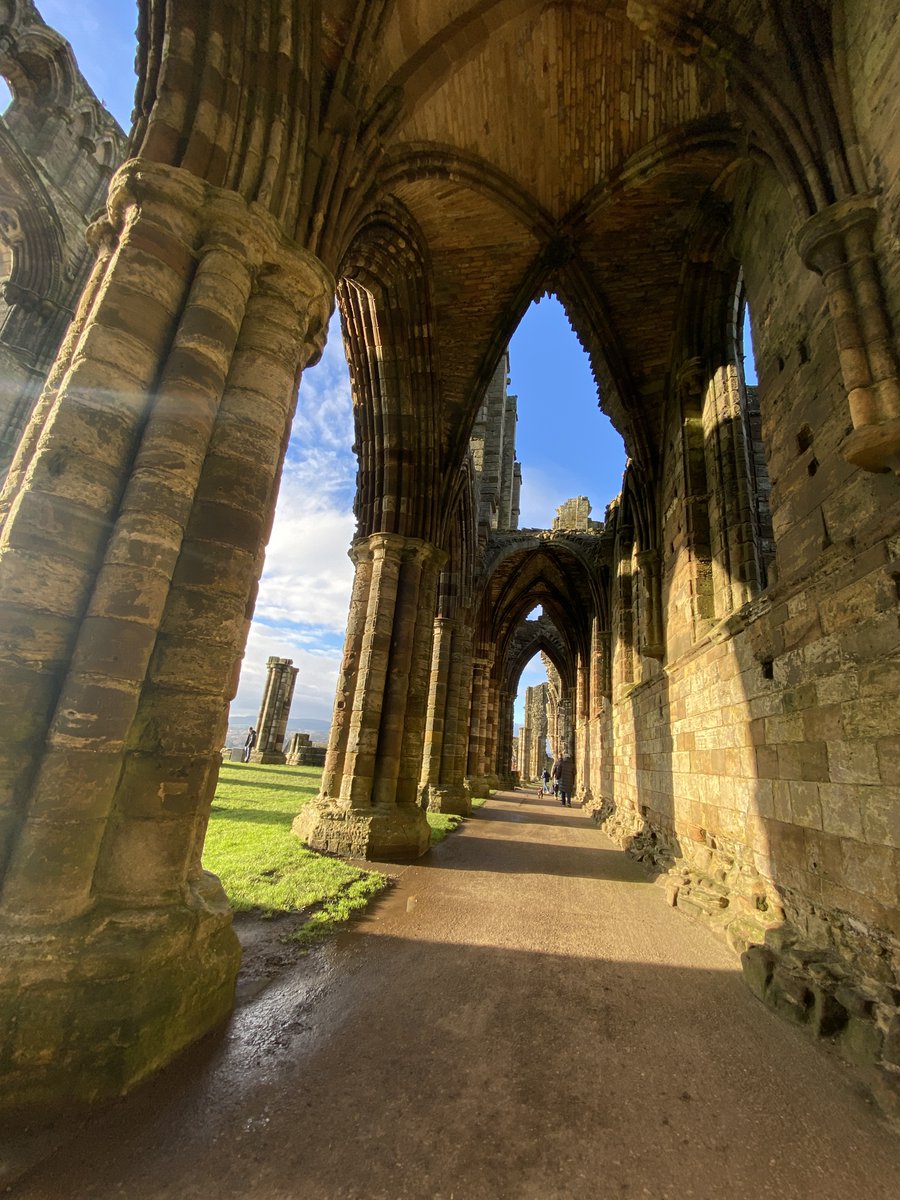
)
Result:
{"points": [[530, 719], [565, 442]]}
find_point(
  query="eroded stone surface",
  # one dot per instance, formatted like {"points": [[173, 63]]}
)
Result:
{"points": [[725, 641]]}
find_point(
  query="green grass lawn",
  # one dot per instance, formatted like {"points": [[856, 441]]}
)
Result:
{"points": [[262, 865]]}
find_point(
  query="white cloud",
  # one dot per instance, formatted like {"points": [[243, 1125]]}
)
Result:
{"points": [[543, 491], [316, 678], [304, 593]]}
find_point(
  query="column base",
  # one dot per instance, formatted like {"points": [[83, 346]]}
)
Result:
{"points": [[269, 756], [90, 1008], [479, 786], [383, 835], [447, 798]]}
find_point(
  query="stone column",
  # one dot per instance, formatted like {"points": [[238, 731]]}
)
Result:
{"points": [[476, 767], [524, 742], [492, 733], [134, 523], [432, 752], [505, 769], [838, 244], [274, 711], [442, 786], [650, 569], [690, 383], [624, 612], [459, 711], [371, 809]]}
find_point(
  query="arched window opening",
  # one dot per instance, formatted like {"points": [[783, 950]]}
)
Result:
{"points": [[6, 96], [567, 446], [759, 473], [532, 720], [747, 354]]}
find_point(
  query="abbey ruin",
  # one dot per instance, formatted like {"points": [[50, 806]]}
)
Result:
{"points": [[724, 644]]}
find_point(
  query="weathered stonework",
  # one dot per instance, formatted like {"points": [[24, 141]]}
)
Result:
{"points": [[302, 753], [274, 712], [725, 642], [58, 149], [533, 738]]}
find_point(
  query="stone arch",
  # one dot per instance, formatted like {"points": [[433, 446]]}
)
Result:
{"points": [[560, 573], [259, 141], [537, 637], [41, 69], [795, 102], [386, 310]]}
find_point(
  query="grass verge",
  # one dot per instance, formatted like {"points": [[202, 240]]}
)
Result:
{"points": [[264, 868]]}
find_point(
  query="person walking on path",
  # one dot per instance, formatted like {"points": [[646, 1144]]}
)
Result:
{"points": [[564, 774], [249, 744], [545, 782]]}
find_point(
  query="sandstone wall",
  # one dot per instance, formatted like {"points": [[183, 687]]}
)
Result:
{"points": [[761, 768]]}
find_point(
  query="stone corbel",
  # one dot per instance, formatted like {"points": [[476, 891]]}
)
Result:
{"points": [[837, 243]]}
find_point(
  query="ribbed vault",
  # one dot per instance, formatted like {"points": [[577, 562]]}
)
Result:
{"points": [[562, 574]]}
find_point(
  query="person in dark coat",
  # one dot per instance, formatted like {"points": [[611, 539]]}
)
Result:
{"points": [[564, 774], [249, 744]]}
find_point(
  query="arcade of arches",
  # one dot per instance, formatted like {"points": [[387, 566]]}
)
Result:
{"points": [[726, 641]]}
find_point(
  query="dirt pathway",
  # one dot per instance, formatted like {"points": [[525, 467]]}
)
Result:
{"points": [[521, 1017]]}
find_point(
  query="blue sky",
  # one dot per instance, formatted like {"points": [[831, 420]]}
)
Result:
{"points": [[566, 445]]}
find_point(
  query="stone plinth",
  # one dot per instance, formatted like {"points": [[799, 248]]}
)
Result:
{"points": [[97, 1005], [302, 753]]}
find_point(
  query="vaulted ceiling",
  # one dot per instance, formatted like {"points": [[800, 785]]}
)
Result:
{"points": [[549, 144]]}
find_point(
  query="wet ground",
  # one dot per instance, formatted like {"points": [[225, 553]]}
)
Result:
{"points": [[521, 1016]]}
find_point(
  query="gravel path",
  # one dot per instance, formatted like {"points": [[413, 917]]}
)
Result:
{"points": [[521, 1016]]}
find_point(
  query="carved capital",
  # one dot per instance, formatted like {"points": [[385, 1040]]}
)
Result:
{"points": [[831, 236]]}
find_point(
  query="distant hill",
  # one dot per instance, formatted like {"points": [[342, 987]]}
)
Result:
{"points": [[315, 727]]}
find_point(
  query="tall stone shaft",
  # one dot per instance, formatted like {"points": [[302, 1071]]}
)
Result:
{"points": [[275, 709]]}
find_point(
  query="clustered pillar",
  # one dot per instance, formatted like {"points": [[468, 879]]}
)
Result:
{"points": [[132, 532], [446, 732], [368, 806], [837, 242]]}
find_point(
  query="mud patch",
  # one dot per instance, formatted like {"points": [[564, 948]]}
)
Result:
{"points": [[266, 949]]}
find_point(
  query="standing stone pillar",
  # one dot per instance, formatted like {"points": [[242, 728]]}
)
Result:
{"points": [[492, 730], [432, 751], [442, 786], [142, 495], [274, 711], [506, 723], [524, 744], [368, 806], [690, 383], [477, 780], [838, 244], [459, 712]]}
